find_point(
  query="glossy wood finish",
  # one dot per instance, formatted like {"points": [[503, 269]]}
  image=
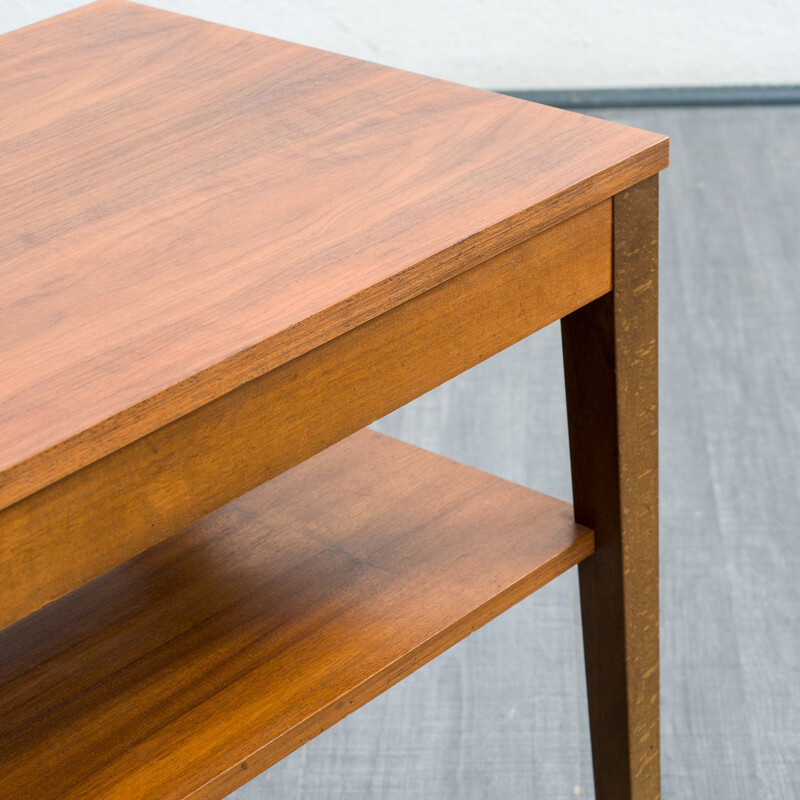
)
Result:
{"points": [[187, 206], [611, 369], [156, 486], [188, 670]]}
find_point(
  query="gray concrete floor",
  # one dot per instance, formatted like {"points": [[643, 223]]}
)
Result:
{"points": [[503, 714]]}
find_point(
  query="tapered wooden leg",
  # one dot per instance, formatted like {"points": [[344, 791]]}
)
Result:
{"points": [[611, 370]]}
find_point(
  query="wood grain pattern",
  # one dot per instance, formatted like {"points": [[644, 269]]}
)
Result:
{"points": [[611, 369], [188, 670], [98, 517], [187, 206], [729, 452]]}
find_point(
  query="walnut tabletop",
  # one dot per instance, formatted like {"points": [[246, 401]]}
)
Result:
{"points": [[222, 256], [187, 206]]}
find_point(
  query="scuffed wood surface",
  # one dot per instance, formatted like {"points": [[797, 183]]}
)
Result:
{"points": [[611, 374]]}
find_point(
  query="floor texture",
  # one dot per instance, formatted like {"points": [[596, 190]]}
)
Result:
{"points": [[502, 716]]}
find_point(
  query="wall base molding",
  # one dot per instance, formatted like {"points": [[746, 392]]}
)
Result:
{"points": [[666, 96]]}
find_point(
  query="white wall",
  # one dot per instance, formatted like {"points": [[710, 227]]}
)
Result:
{"points": [[523, 44]]}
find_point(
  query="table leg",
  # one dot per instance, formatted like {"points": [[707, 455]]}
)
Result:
{"points": [[611, 372]]}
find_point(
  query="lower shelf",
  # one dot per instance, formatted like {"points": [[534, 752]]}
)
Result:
{"points": [[186, 671]]}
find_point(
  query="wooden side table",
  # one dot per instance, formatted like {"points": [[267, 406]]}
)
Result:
{"points": [[222, 256]]}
